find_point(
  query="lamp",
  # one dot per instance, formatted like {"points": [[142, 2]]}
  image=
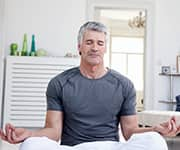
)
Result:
{"points": [[138, 21]]}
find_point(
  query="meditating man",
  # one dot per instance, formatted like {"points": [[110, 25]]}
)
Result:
{"points": [[87, 104]]}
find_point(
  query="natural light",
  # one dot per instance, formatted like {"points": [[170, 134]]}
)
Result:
{"points": [[127, 58]]}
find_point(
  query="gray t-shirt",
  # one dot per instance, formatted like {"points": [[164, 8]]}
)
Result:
{"points": [[91, 107]]}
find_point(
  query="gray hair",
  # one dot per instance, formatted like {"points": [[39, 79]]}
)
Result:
{"points": [[94, 26]]}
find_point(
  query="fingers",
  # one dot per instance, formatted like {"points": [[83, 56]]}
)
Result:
{"points": [[9, 130], [10, 134], [174, 119], [16, 138], [170, 125], [172, 128], [178, 129], [2, 135], [169, 128]]}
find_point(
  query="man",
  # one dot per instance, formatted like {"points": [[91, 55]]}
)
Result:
{"points": [[86, 104]]}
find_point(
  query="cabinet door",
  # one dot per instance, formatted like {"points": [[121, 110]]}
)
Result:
{"points": [[26, 81]]}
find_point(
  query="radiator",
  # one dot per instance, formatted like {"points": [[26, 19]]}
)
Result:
{"points": [[26, 80]]}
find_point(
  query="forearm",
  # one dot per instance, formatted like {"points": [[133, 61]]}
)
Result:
{"points": [[51, 133], [142, 129], [53, 126]]}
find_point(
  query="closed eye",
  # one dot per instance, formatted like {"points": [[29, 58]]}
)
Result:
{"points": [[89, 42], [100, 43]]}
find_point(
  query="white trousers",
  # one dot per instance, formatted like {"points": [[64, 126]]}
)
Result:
{"points": [[140, 141]]}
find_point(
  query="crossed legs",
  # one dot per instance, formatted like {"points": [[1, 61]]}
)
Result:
{"points": [[141, 141]]}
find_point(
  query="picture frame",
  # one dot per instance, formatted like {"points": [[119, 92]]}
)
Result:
{"points": [[178, 64]]}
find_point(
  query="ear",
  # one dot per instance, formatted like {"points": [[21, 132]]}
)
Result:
{"points": [[79, 46], [79, 49]]}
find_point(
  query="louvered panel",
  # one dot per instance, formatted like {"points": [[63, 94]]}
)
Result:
{"points": [[28, 99], [29, 66], [26, 82]]}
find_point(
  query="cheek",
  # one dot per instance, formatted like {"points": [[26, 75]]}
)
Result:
{"points": [[103, 50], [85, 49]]}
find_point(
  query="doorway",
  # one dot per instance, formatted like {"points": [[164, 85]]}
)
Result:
{"points": [[126, 49]]}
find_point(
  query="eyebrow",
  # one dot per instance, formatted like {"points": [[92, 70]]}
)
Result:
{"points": [[90, 40]]}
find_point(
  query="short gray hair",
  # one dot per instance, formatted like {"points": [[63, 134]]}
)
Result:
{"points": [[93, 26]]}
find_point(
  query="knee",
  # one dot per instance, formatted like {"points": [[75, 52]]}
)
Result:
{"points": [[29, 144], [37, 143], [148, 141], [156, 141]]}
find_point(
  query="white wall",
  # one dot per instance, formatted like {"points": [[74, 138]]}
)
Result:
{"points": [[54, 22], [167, 46]]}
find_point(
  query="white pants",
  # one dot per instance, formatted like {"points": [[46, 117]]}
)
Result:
{"points": [[141, 141]]}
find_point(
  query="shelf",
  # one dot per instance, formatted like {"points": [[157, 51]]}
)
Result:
{"points": [[171, 94], [169, 74], [167, 101]]}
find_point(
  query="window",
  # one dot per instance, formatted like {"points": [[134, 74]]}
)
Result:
{"points": [[127, 55]]}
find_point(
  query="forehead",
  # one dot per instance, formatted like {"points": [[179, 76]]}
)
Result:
{"points": [[94, 35]]}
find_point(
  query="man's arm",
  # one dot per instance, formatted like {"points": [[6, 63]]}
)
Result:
{"points": [[53, 126], [129, 125], [53, 129]]}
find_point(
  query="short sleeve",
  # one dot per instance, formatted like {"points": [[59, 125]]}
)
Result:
{"points": [[54, 95], [129, 104]]}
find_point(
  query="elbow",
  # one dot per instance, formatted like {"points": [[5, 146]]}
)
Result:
{"points": [[127, 135], [58, 140], [57, 137]]}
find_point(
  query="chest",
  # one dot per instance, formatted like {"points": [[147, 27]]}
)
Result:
{"points": [[92, 99]]}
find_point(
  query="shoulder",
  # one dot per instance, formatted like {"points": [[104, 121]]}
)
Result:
{"points": [[119, 78], [63, 77]]}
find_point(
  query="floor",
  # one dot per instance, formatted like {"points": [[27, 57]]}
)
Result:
{"points": [[173, 144], [7, 146]]}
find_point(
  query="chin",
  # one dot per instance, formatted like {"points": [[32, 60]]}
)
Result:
{"points": [[94, 62]]}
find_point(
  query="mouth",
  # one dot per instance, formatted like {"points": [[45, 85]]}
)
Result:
{"points": [[93, 55]]}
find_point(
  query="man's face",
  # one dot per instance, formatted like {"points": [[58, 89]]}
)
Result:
{"points": [[93, 47]]}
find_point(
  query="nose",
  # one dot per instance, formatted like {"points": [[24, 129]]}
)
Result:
{"points": [[95, 47]]}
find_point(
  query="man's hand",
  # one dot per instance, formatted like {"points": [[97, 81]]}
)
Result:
{"points": [[14, 135], [169, 128]]}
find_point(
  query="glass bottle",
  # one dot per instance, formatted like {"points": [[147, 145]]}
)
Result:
{"points": [[33, 47], [24, 51]]}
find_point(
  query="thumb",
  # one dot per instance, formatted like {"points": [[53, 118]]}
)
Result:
{"points": [[18, 138]]}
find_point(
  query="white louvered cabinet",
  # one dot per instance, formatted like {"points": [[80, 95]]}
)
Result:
{"points": [[26, 80]]}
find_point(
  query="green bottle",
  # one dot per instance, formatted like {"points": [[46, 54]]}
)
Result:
{"points": [[13, 48], [24, 51], [33, 47]]}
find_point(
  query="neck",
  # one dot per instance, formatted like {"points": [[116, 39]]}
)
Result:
{"points": [[93, 71]]}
